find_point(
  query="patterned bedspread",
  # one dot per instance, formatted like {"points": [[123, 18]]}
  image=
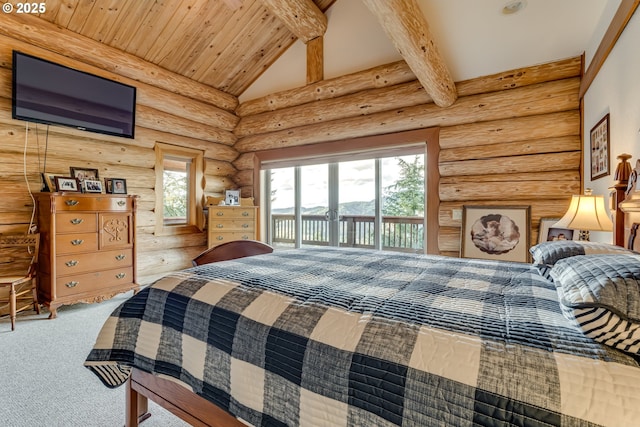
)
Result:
{"points": [[346, 337]]}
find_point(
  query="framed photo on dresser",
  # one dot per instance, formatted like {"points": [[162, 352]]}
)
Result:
{"points": [[67, 183]]}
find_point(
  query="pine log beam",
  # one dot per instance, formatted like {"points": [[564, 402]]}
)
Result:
{"points": [[530, 100], [244, 161], [46, 35], [407, 28], [551, 125], [398, 96], [514, 164], [219, 168], [516, 190], [522, 147], [540, 208], [159, 120], [381, 76], [302, 17], [315, 60]]}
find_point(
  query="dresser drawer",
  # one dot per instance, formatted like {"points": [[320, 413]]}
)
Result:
{"points": [[88, 282], [232, 225], [231, 212], [76, 243], [82, 203], [76, 222], [81, 263], [216, 239]]}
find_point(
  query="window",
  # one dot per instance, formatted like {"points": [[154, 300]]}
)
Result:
{"points": [[377, 203], [179, 190]]}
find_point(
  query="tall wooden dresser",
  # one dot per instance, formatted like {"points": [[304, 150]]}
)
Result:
{"points": [[227, 223], [87, 251]]}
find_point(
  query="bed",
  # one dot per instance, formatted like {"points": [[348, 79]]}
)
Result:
{"points": [[324, 337]]}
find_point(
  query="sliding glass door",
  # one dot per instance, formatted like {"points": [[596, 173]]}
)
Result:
{"points": [[371, 203]]}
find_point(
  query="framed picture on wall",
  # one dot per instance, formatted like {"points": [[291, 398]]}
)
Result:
{"points": [[496, 232], [600, 151]]}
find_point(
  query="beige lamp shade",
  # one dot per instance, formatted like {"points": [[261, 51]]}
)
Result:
{"points": [[586, 213]]}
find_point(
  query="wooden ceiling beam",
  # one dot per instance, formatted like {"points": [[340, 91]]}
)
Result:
{"points": [[302, 17], [405, 25]]}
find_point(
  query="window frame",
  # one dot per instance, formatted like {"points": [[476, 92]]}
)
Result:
{"points": [[195, 214]]}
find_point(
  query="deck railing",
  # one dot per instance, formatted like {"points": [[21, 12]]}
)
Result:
{"points": [[398, 233]]}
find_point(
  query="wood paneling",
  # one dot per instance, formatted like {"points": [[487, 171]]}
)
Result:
{"points": [[210, 41], [164, 114], [510, 138]]}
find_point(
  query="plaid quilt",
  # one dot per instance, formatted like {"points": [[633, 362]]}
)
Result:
{"points": [[347, 337]]}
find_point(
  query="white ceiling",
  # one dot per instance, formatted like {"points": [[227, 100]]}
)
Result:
{"points": [[474, 38]]}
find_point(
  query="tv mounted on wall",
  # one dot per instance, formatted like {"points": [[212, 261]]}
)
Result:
{"points": [[45, 92]]}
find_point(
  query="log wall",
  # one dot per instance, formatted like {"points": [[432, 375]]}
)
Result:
{"points": [[512, 138], [166, 112]]}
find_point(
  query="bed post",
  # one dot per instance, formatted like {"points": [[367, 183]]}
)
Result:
{"points": [[137, 409]]}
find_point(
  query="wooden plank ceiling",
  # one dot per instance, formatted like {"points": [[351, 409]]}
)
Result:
{"points": [[226, 44]]}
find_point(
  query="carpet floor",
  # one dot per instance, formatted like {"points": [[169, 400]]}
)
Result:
{"points": [[42, 378]]}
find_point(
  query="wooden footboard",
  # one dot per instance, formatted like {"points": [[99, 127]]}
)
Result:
{"points": [[187, 405]]}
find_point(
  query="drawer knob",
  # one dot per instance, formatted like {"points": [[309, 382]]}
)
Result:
{"points": [[76, 242], [121, 203], [245, 225], [220, 238], [76, 221], [71, 284], [120, 275], [245, 213], [219, 213], [71, 263], [220, 226], [245, 237], [71, 202], [120, 257]]}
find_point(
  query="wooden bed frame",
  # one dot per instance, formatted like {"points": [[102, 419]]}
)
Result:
{"points": [[175, 398], [200, 412]]}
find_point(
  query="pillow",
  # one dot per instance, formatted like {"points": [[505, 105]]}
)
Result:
{"points": [[546, 254], [601, 294]]}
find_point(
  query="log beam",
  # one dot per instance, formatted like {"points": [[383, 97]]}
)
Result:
{"points": [[530, 100], [380, 76], [315, 60], [407, 28], [302, 17]]}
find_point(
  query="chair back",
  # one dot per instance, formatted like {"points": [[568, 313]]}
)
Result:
{"points": [[21, 249]]}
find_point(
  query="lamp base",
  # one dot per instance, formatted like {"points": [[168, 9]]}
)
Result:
{"points": [[584, 235]]}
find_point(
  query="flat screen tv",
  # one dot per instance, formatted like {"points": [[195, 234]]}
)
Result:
{"points": [[45, 92]]}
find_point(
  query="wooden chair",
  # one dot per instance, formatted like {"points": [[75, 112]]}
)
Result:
{"points": [[14, 250], [232, 250]]}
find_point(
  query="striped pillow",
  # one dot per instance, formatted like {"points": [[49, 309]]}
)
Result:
{"points": [[546, 254], [601, 294]]}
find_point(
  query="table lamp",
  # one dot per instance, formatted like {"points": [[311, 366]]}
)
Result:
{"points": [[586, 213]]}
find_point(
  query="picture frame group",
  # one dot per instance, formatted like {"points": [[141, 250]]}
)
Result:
{"points": [[496, 232], [85, 180]]}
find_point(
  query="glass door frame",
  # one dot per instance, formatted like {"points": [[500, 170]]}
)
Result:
{"points": [[400, 143]]}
